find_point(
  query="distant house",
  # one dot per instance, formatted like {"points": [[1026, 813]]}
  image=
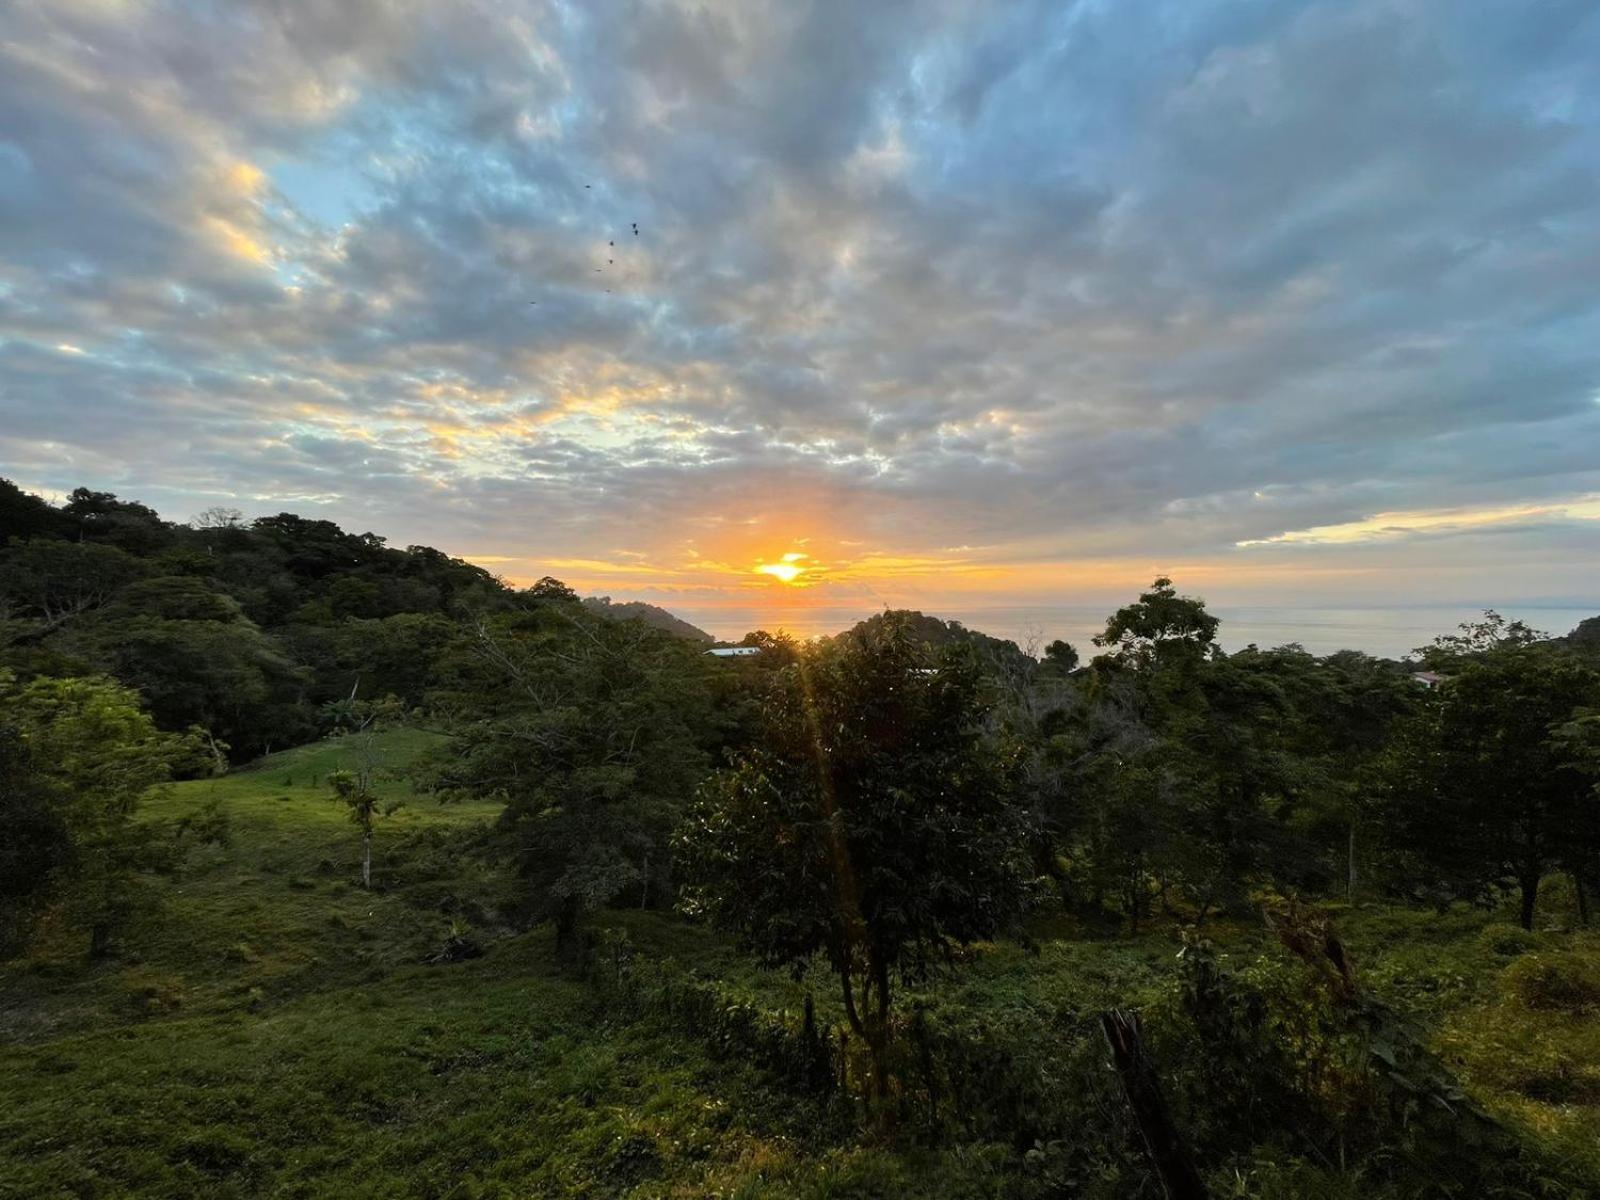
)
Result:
{"points": [[1428, 679], [734, 651]]}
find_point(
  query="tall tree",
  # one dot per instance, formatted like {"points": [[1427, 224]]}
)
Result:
{"points": [[1480, 788], [593, 731], [872, 825]]}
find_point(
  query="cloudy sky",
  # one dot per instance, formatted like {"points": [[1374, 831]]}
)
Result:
{"points": [[936, 303]]}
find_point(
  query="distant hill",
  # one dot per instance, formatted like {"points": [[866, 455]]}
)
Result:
{"points": [[1585, 639], [938, 633], [650, 614]]}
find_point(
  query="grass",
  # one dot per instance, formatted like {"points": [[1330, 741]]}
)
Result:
{"points": [[269, 1028]]}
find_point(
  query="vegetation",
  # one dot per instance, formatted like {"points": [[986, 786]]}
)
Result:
{"points": [[1347, 915], [869, 825]]}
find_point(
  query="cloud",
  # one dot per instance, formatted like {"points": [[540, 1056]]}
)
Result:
{"points": [[1077, 283], [1390, 526]]}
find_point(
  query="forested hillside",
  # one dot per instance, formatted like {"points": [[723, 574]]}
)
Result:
{"points": [[333, 868], [245, 630]]}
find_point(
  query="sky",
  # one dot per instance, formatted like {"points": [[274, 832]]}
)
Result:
{"points": [[812, 306]]}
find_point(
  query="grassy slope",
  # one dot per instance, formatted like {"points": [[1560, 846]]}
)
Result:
{"points": [[271, 1029], [274, 1031]]}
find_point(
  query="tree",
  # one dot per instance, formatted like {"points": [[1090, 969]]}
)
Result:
{"points": [[91, 756], [1156, 814], [218, 517], [355, 790], [27, 516], [549, 590], [873, 824], [198, 660], [363, 720], [593, 731], [101, 517], [1480, 788], [1061, 657], [1577, 741], [35, 844], [1476, 639], [1161, 627], [53, 582]]}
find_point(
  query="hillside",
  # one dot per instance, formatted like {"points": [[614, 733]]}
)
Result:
{"points": [[278, 1031], [650, 614]]}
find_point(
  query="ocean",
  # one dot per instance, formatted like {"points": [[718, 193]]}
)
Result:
{"points": [[1388, 632]]}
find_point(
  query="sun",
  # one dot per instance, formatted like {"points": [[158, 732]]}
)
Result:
{"points": [[786, 570]]}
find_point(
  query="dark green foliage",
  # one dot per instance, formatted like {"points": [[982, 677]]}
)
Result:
{"points": [[871, 825], [1183, 777], [245, 629], [52, 582], [650, 614], [1479, 788], [996, 655], [82, 757], [198, 660], [35, 842], [25, 516], [592, 732]]}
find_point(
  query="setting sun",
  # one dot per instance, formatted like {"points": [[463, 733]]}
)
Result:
{"points": [[786, 570]]}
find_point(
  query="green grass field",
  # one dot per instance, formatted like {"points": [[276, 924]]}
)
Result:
{"points": [[269, 1028]]}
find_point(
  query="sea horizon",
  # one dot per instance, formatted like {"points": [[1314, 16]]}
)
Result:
{"points": [[1386, 631]]}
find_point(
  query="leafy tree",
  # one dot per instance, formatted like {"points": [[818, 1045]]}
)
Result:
{"points": [[101, 517], [1154, 815], [27, 516], [594, 731], [53, 582], [1161, 628], [198, 660], [1577, 741], [89, 756], [549, 590], [1480, 787], [1474, 640], [999, 658], [872, 825], [35, 844], [1061, 657]]}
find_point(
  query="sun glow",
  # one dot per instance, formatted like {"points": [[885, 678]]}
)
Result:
{"points": [[786, 570]]}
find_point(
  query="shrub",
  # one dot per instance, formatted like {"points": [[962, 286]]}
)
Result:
{"points": [[1564, 981], [1506, 939]]}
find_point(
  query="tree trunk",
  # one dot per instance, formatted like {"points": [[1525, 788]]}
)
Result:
{"points": [[1179, 1179], [1350, 877], [366, 859], [1530, 900], [99, 940], [869, 1027], [880, 1045], [1582, 894]]}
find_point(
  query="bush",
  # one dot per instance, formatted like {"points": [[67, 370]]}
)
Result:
{"points": [[1507, 940], [1564, 981]]}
